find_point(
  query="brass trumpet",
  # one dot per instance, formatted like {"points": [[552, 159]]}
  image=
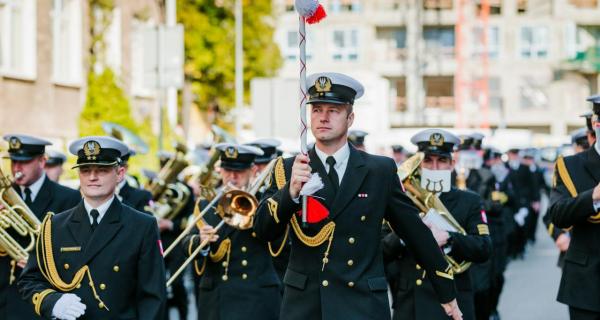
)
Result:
{"points": [[16, 216], [235, 207], [409, 174]]}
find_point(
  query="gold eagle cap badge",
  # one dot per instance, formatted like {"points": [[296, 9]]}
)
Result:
{"points": [[15, 143], [323, 84], [231, 152], [436, 139], [91, 149]]}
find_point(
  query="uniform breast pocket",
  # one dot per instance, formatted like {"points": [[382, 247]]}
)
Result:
{"points": [[577, 257]]}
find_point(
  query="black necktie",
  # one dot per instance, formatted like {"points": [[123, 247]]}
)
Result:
{"points": [[332, 174], [27, 197], [95, 214]]}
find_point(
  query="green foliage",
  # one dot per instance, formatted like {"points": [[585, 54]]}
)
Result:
{"points": [[105, 101], [210, 47]]}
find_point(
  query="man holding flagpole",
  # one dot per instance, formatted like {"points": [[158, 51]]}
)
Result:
{"points": [[336, 266]]}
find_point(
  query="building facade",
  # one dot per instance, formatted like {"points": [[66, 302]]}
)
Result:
{"points": [[44, 59], [497, 64]]}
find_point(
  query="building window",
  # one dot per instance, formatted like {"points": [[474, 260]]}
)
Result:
{"points": [[66, 41], [437, 4], [584, 4], [492, 39], [289, 6], [290, 48], [345, 45], [439, 41], [18, 38], [336, 6], [532, 93], [534, 42]]}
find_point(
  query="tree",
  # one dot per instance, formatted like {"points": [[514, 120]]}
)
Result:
{"points": [[210, 48]]}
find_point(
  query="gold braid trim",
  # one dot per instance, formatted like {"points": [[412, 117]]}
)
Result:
{"points": [[326, 233], [551, 229], [199, 271], [38, 298], [200, 222], [448, 275], [48, 267], [223, 249], [279, 173], [278, 252], [566, 178], [273, 209]]}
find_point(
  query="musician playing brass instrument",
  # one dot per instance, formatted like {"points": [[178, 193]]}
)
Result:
{"points": [[237, 277], [39, 194], [413, 293]]}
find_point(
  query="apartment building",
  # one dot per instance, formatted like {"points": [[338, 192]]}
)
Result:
{"points": [[497, 64], [44, 58]]}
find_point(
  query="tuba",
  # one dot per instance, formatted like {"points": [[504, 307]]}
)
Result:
{"points": [[409, 175], [235, 207], [15, 219], [169, 195]]}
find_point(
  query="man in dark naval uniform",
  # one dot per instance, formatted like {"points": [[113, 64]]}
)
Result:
{"points": [[336, 268], [101, 259], [413, 293], [237, 277], [41, 195], [574, 205], [280, 249], [130, 195]]}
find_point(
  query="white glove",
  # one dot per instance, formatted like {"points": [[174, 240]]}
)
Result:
{"points": [[520, 216], [68, 307]]}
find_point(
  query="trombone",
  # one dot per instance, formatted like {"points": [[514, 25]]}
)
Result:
{"points": [[235, 207]]}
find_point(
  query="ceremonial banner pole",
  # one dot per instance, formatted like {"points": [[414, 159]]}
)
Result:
{"points": [[310, 11]]}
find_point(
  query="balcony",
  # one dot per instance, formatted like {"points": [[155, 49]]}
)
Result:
{"points": [[584, 4]]}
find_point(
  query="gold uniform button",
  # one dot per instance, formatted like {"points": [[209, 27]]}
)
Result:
{"points": [[350, 262], [116, 268], [102, 286], [351, 240], [350, 284], [418, 267], [325, 283], [100, 305], [78, 286], [244, 249], [67, 266], [419, 282], [254, 234], [244, 263], [224, 277], [224, 264], [363, 218], [244, 276]]}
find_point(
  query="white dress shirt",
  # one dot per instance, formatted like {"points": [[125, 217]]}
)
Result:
{"points": [[341, 160], [101, 209], [34, 187]]}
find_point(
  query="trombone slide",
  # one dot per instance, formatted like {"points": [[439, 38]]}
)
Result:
{"points": [[192, 256]]}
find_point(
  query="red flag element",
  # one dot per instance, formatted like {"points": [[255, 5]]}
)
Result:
{"points": [[319, 15], [315, 210], [484, 216]]}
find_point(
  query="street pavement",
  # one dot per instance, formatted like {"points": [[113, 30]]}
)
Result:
{"points": [[531, 284]]}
